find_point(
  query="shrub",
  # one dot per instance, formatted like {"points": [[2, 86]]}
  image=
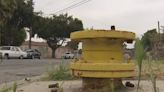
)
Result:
{"points": [[60, 72]]}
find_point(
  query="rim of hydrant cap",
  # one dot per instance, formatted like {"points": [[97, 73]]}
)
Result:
{"points": [[116, 34]]}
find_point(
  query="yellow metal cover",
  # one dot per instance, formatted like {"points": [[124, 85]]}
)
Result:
{"points": [[102, 54], [103, 34]]}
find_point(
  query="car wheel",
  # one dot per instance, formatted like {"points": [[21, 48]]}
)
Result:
{"points": [[32, 57], [21, 57], [6, 56]]}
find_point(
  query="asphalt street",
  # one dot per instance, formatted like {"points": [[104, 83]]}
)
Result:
{"points": [[15, 69]]}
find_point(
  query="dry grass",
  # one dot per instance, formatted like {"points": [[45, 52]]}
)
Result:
{"points": [[157, 68], [7, 89], [60, 72]]}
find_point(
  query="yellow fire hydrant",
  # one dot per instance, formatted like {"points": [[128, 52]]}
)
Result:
{"points": [[102, 65]]}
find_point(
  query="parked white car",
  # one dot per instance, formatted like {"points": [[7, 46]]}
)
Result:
{"points": [[68, 55], [7, 52]]}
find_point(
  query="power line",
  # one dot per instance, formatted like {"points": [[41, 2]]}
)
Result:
{"points": [[51, 2], [47, 4], [72, 2], [73, 6], [68, 5]]}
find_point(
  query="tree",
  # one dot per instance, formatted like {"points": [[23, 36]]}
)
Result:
{"points": [[13, 37], [13, 31], [56, 29], [7, 8], [73, 44], [29, 16], [149, 38]]}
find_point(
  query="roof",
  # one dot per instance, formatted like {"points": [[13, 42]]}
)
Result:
{"points": [[35, 43]]}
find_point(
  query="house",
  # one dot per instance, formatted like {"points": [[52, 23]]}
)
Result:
{"points": [[46, 51], [41, 46]]}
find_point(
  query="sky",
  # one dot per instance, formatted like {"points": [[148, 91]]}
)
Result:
{"points": [[128, 15]]}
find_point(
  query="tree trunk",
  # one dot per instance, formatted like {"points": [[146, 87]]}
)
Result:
{"points": [[0, 36], [53, 53], [53, 45], [30, 37]]}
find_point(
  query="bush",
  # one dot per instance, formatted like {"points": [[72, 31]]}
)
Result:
{"points": [[6, 89], [60, 72]]}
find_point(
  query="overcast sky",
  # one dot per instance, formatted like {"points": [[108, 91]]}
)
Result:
{"points": [[131, 15]]}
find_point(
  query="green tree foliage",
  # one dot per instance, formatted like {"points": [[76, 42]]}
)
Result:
{"points": [[38, 23], [13, 31], [13, 37], [7, 7], [56, 29], [149, 38]]}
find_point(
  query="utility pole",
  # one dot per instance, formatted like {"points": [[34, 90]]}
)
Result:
{"points": [[30, 31], [158, 27], [30, 36], [0, 36], [159, 35], [1, 44]]}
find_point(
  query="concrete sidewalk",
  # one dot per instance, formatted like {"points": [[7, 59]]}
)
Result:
{"points": [[21, 83], [75, 86], [68, 86]]}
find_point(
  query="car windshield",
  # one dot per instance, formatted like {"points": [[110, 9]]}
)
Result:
{"points": [[29, 50], [5, 48]]}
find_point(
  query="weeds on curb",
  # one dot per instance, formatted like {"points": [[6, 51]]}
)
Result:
{"points": [[14, 87], [112, 86], [60, 72], [6, 89], [60, 89], [152, 76], [139, 54]]}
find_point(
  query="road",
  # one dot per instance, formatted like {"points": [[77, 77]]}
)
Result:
{"points": [[15, 69]]}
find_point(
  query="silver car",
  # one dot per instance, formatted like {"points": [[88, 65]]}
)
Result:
{"points": [[7, 52]]}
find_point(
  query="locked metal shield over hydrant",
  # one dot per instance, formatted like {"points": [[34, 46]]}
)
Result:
{"points": [[102, 65]]}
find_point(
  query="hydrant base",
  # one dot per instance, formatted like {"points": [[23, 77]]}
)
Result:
{"points": [[101, 84]]}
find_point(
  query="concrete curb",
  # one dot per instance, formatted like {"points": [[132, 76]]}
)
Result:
{"points": [[22, 82]]}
